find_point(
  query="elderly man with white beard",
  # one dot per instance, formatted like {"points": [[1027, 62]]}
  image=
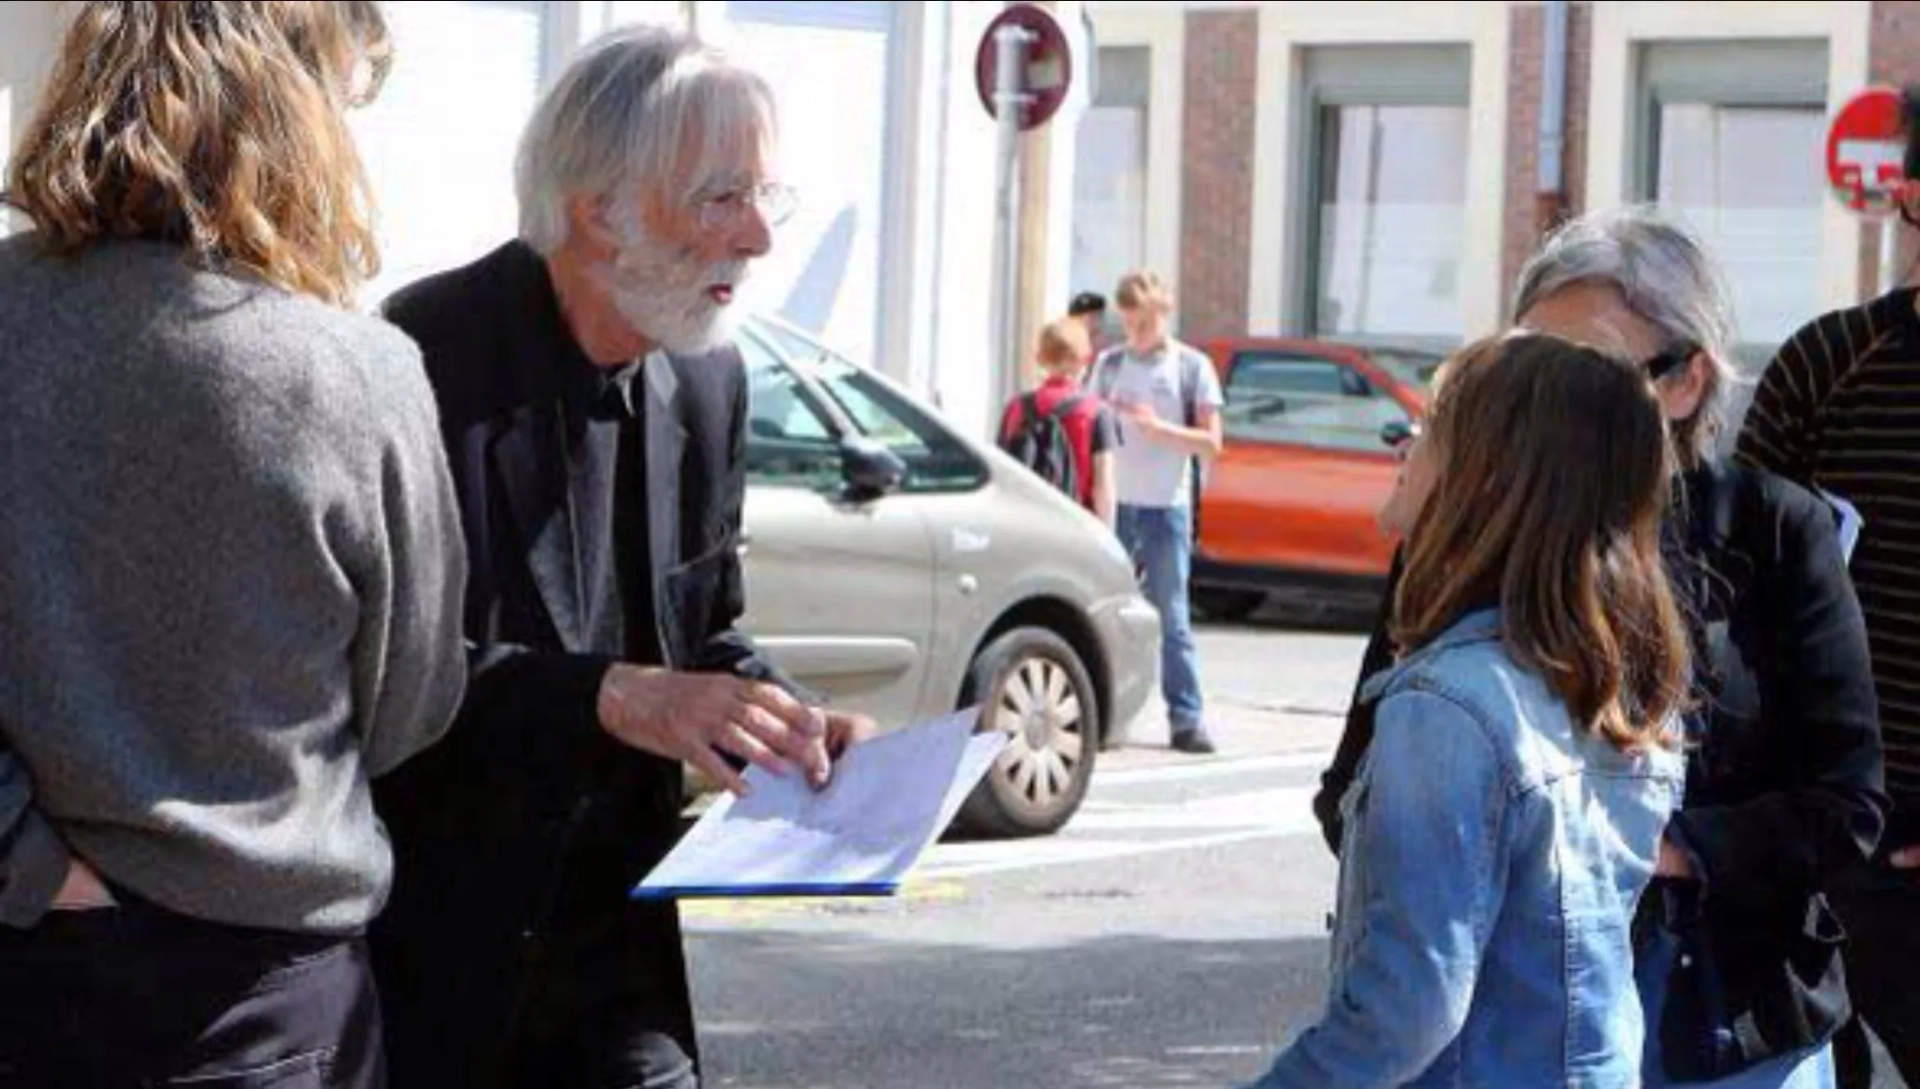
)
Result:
{"points": [[595, 419]]}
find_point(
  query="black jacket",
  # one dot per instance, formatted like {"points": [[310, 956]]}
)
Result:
{"points": [[1784, 777], [517, 837]]}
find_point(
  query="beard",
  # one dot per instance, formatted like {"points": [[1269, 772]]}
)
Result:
{"points": [[663, 291]]}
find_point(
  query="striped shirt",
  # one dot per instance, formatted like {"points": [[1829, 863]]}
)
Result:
{"points": [[1839, 410]]}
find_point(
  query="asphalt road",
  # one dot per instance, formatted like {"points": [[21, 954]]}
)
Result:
{"points": [[1172, 935]]}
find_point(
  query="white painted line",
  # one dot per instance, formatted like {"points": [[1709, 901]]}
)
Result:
{"points": [[1232, 819], [1252, 809], [1211, 769], [1220, 1049], [1101, 852]]}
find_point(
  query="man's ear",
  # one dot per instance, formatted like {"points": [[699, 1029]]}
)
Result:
{"points": [[1694, 379], [587, 222]]}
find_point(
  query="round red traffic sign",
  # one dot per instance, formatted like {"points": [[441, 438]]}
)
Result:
{"points": [[1047, 70], [1866, 152]]}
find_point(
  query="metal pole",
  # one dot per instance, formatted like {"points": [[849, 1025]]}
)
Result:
{"points": [[1889, 252], [1009, 44], [1549, 181]]}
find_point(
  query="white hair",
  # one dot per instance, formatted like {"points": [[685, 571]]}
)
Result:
{"points": [[639, 107], [1666, 278]]}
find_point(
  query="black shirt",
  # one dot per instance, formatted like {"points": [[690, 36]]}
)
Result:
{"points": [[606, 481], [1839, 409]]}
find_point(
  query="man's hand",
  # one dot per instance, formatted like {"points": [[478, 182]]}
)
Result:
{"points": [[697, 716], [846, 729], [1906, 858], [82, 890], [1141, 415]]}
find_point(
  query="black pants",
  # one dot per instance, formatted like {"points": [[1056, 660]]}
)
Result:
{"points": [[1881, 910], [610, 1010], [135, 997]]}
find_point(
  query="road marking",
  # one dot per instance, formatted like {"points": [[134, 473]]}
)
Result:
{"points": [[1075, 853], [1219, 1050], [1251, 809], [1228, 819], [1210, 769]]}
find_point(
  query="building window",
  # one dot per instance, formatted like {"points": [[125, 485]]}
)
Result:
{"points": [[439, 142], [1110, 172], [1733, 144], [1383, 161], [1392, 210]]}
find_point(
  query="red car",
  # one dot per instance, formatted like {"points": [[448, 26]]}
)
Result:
{"points": [[1311, 434]]}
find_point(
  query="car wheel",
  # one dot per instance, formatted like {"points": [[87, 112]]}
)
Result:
{"points": [[1031, 686], [1228, 605]]}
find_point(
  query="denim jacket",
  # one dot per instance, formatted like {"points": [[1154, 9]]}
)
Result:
{"points": [[1494, 852]]}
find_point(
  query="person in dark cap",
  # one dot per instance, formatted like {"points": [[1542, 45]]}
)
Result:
{"points": [[1090, 307]]}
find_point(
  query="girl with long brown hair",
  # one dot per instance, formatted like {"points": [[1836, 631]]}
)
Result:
{"points": [[230, 567], [1525, 760]]}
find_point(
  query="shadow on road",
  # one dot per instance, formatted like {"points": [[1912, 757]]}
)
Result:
{"points": [[1312, 617], [800, 1010]]}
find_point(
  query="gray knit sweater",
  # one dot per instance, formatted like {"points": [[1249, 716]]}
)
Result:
{"points": [[230, 580]]}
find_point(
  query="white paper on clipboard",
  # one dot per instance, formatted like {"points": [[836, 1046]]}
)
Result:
{"points": [[1848, 521]]}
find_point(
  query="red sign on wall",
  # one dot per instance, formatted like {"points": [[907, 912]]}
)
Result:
{"points": [[1866, 152]]}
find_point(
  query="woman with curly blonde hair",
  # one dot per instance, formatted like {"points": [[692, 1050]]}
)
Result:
{"points": [[230, 567]]}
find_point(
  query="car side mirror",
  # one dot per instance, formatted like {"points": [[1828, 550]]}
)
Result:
{"points": [[1398, 433], [870, 469]]}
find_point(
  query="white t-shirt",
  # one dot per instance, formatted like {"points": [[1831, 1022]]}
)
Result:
{"points": [[1149, 473]]}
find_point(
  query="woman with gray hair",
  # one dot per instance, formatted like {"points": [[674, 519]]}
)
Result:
{"points": [[1738, 951]]}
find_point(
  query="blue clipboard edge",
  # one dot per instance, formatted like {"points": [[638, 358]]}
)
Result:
{"points": [[757, 892]]}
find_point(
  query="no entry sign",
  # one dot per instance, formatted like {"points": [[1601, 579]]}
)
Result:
{"points": [[1866, 152]]}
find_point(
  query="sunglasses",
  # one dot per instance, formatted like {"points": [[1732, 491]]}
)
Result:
{"points": [[1402, 442], [1669, 361]]}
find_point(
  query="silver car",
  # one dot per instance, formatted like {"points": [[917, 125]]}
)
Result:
{"points": [[905, 571]]}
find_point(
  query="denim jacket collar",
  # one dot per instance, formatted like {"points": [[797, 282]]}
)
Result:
{"points": [[1479, 626]]}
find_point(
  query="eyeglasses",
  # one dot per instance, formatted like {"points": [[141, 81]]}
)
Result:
{"points": [[775, 200], [1670, 361]]}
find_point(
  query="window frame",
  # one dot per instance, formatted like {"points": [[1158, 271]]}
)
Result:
{"points": [[776, 338], [837, 427], [1776, 73], [1332, 76], [1350, 373]]}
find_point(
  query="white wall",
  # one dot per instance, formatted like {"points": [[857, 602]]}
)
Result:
{"points": [[29, 35], [1287, 28]]}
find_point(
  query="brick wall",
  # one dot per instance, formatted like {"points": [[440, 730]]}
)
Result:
{"points": [[1216, 190], [1894, 59], [1520, 233]]}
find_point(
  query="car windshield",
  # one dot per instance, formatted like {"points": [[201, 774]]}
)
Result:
{"points": [[1410, 365]]}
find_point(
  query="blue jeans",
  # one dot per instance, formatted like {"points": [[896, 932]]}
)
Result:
{"points": [[1160, 539]]}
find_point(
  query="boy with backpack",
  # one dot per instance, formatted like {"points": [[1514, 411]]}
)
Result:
{"points": [[1065, 435], [1168, 400]]}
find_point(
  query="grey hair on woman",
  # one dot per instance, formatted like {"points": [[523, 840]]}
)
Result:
{"points": [[1666, 278], [641, 107]]}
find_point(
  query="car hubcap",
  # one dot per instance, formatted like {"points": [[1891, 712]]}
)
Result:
{"points": [[1040, 712]]}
